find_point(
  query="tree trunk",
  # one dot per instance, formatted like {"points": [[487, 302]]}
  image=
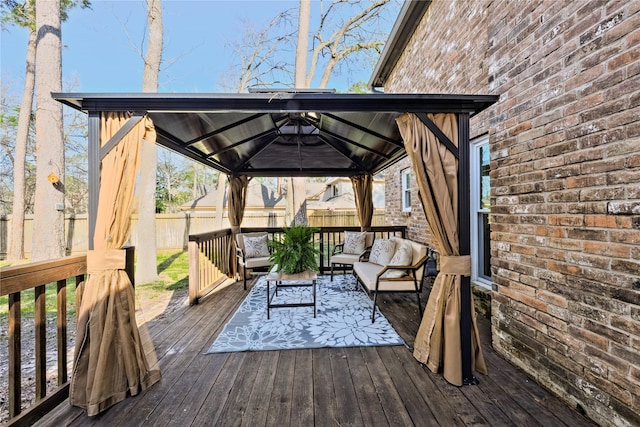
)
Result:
{"points": [[146, 267], [299, 188], [220, 192], [48, 229], [16, 242]]}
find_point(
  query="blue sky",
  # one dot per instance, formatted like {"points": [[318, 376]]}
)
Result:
{"points": [[101, 45]]}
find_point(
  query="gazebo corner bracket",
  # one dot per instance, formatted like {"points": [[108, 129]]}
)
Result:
{"points": [[438, 133]]}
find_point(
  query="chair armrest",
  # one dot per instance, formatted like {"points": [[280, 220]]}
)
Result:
{"points": [[240, 254], [337, 249], [364, 256], [413, 267]]}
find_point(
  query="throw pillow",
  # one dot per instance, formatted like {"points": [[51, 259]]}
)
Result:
{"points": [[354, 243], [255, 247], [402, 256], [382, 251]]}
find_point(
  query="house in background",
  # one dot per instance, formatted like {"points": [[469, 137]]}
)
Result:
{"points": [[555, 180], [328, 203], [337, 195]]}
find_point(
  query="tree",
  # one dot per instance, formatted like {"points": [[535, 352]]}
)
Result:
{"points": [[256, 62], [298, 187], [338, 40], [146, 267], [23, 14], [48, 227]]}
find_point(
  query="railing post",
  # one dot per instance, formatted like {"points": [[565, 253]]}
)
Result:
{"points": [[194, 271], [40, 341], [61, 325], [15, 350], [130, 264]]}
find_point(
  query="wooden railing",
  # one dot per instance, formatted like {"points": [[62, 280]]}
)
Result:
{"points": [[13, 282], [208, 262], [209, 254]]}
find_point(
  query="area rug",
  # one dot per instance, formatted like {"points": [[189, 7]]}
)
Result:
{"points": [[343, 319]]}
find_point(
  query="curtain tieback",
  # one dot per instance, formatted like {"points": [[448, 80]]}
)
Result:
{"points": [[106, 259], [460, 265]]}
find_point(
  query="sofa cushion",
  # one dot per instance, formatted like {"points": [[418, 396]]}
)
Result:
{"points": [[354, 243], [256, 247], [367, 273], [402, 256], [382, 251], [344, 258]]}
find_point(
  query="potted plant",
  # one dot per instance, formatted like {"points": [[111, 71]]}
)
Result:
{"points": [[294, 251]]}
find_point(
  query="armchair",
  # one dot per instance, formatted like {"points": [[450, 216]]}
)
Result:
{"points": [[351, 249], [252, 252]]}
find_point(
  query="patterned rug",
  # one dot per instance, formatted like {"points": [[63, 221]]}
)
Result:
{"points": [[343, 319]]}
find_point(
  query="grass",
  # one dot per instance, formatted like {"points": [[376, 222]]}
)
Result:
{"points": [[173, 268]]}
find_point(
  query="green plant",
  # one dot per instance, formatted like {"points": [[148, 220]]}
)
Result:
{"points": [[294, 251]]}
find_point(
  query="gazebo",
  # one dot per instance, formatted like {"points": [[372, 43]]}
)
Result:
{"points": [[294, 133]]}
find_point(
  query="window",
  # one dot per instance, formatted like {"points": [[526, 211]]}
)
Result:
{"points": [[480, 211], [406, 190], [334, 191]]}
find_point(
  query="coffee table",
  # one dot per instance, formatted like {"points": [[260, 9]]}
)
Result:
{"points": [[281, 280]]}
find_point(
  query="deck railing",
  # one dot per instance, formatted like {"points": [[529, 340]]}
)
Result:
{"points": [[15, 280], [209, 254], [208, 262]]}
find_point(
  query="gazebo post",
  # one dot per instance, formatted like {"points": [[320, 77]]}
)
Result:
{"points": [[93, 172], [464, 227]]}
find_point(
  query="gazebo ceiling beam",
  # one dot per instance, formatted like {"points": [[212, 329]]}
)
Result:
{"points": [[357, 144], [178, 146], [240, 167], [343, 152], [364, 129], [244, 141], [223, 129]]}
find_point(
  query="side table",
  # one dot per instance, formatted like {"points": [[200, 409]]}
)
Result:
{"points": [[281, 280]]}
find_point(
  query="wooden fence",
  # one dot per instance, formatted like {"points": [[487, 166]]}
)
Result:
{"points": [[173, 230]]}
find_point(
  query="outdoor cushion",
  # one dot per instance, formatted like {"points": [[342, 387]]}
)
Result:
{"points": [[256, 246], [402, 256], [354, 243], [257, 262], [382, 251], [344, 258]]}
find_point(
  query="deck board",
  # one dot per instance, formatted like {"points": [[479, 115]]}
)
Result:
{"points": [[372, 386]]}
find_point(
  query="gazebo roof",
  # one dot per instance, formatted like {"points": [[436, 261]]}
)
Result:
{"points": [[281, 133]]}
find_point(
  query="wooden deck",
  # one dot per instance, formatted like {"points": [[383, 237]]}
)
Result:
{"points": [[366, 386]]}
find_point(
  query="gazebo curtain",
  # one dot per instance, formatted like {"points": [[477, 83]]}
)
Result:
{"points": [[110, 361], [363, 190], [236, 202], [438, 342]]}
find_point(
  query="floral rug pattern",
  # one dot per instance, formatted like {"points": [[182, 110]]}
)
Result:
{"points": [[343, 319]]}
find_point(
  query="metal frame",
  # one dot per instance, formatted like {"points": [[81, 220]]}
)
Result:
{"points": [[465, 106]]}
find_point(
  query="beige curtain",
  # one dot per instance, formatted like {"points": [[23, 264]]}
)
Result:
{"points": [[363, 190], [237, 198], [110, 361], [436, 170]]}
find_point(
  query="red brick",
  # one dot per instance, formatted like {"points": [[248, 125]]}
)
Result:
{"points": [[568, 76]]}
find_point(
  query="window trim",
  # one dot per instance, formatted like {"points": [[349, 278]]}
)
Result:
{"points": [[405, 188], [474, 173]]}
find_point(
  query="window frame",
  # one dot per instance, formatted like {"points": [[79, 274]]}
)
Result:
{"points": [[476, 212], [405, 190]]}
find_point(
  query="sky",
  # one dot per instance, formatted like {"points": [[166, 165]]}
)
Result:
{"points": [[101, 45]]}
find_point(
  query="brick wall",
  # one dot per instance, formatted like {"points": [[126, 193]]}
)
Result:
{"points": [[565, 177]]}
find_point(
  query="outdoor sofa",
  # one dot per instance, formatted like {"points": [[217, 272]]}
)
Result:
{"points": [[393, 265]]}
